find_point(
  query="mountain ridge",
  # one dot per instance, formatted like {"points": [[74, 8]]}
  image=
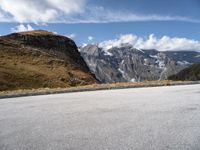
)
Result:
{"points": [[126, 63], [191, 73], [39, 59]]}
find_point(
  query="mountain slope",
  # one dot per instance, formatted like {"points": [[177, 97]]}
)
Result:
{"points": [[191, 73], [126, 63], [39, 59], [191, 57]]}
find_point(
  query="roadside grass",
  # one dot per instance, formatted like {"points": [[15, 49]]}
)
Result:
{"points": [[92, 87]]}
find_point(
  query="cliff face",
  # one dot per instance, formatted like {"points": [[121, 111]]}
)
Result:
{"points": [[126, 63], [38, 59]]}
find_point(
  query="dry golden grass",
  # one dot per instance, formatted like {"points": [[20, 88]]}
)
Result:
{"points": [[36, 32], [92, 87]]}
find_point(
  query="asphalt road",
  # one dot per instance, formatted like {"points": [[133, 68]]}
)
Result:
{"points": [[158, 118]]}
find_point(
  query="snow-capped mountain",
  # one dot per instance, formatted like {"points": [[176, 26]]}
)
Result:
{"points": [[126, 63]]}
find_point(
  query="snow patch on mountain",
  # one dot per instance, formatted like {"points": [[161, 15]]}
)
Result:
{"points": [[122, 72]]}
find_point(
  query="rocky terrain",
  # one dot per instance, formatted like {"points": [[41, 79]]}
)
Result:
{"points": [[191, 73], [39, 59], [126, 63]]}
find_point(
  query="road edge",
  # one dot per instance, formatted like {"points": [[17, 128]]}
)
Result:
{"points": [[85, 89]]}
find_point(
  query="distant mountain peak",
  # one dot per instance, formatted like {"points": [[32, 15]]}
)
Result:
{"points": [[127, 63]]}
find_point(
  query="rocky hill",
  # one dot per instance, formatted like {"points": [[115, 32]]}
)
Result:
{"points": [[126, 63], [39, 59], [191, 73]]}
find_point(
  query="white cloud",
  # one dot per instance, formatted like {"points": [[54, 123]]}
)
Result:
{"points": [[72, 36], [22, 27], [40, 10], [54, 32], [90, 38], [3, 18], [98, 14], [72, 11], [152, 42], [123, 39]]}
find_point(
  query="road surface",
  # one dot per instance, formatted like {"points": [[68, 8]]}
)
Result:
{"points": [[158, 118]]}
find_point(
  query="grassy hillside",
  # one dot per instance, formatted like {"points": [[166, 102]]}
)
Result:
{"points": [[28, 67], [191, 73]]}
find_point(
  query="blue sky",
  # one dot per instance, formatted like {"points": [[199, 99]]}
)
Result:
{"points": [[94, 21]]}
